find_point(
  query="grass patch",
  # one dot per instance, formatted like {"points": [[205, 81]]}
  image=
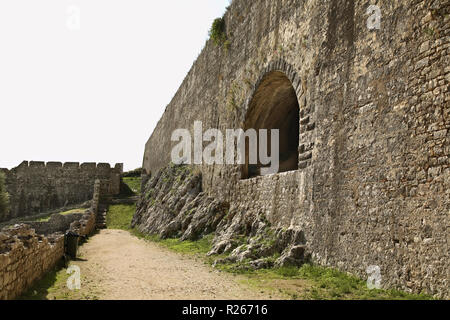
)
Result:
{"points": [[325, 283], [65, 213], [48, 285], [81, 210], [199, 247], [40, 217], [134, 183], [53, 286], [120, 216]]}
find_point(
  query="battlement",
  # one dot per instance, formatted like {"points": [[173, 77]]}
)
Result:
{"points": [[37, 186], [67, 165]]}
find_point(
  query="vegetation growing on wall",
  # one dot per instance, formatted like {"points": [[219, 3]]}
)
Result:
{"points": [[232, 103], [4, 197], [218, 32]]}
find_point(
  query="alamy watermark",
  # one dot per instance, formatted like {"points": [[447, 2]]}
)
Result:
{"points": [[73, 20], [374, 280], [231, 151], [74, 281], [374, 20]]}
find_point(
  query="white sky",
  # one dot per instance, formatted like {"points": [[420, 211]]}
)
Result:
{"points": [[93, 94]]}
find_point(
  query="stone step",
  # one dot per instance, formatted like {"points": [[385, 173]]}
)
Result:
{"points": [[101, 219], [101, 225]]}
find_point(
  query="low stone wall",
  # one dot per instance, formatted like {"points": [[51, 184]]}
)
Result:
{"points": [[86, 225], [25, 257]]}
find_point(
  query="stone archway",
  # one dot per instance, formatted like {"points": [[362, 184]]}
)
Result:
{"points": [[274, 105]]}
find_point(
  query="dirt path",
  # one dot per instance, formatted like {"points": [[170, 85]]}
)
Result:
{"points": [[121, 266]]}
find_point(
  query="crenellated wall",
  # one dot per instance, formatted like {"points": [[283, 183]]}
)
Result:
{"points": [[36, 187], [373, 185]]}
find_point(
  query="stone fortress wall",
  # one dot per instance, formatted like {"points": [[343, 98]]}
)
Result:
{"points": [[36, 187], [373, 180]]}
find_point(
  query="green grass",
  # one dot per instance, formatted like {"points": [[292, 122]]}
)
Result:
{"points": [[120, 216], [218, 32], [65, 213], [41, 217], [53, 286], [200, 247], [133, 183], [326, 283], [80, 210]]}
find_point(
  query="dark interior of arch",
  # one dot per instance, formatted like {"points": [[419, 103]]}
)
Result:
{"points": [[275, 106]]}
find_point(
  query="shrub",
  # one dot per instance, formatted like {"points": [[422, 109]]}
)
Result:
{"points": [[218, 32], [4, 197]]}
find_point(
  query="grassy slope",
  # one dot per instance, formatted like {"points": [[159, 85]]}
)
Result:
{"points": [[120, 216], [306, 282], [133, 183]]}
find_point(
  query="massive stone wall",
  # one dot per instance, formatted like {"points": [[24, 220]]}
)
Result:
{"points": [[36, 187], [373, 184]]}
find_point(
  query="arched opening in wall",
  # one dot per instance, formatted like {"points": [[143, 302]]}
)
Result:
{"points": [[274, 106]]}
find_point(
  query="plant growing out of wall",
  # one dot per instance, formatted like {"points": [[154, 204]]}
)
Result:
{"points": [[4, 197], [218, 32], [232, 100]]}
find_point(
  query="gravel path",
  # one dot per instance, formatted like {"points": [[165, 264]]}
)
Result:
{"points": [[121, 266]]}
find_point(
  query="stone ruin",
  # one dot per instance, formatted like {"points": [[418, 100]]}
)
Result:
{"points": [[37, 187], [28, 251]]}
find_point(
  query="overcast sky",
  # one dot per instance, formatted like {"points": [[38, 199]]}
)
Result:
{"points": [[92, 89]]}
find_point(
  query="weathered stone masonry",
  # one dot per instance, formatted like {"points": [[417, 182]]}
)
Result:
{"points": [[36, 187], [28, 251], [373, 184]]}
